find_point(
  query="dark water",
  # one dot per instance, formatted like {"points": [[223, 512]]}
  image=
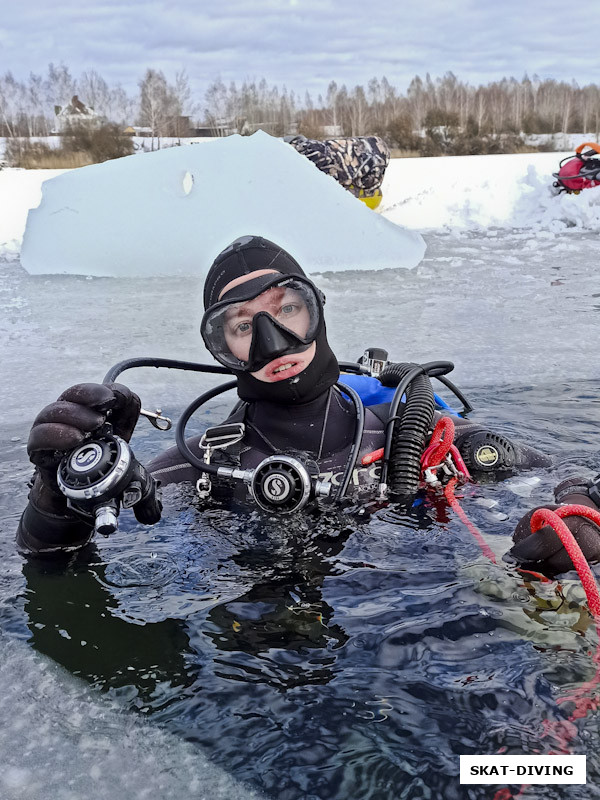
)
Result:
{"points": [[319, 659], [326, 658]]}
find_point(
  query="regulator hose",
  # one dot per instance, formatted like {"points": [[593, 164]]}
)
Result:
{"points": [[406, 432], [192, 366], [182, 445]]}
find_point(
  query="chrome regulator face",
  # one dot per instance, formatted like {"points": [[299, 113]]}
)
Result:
{"points": [[283, 484], [94, 469], [93, 476]]}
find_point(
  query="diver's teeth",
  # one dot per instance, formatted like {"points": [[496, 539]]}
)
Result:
{"points": [[280, 369]]}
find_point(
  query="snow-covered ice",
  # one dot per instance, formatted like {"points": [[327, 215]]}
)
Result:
{"points": [[170, 212], [20, 190], [88, 748], [156, 227], [476, 192]]}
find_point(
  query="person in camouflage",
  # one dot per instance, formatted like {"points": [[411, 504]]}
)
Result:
{"points": [[357, 163]]}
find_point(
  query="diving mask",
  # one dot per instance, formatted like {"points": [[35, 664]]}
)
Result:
{"points": [[262, 319]]}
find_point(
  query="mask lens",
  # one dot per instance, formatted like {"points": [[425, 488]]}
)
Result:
{"points": [[292, 307]]}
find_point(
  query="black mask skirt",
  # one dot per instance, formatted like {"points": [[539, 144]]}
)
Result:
{"points": [[322, 372]]}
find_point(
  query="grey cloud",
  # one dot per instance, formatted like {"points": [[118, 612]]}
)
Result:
{"points": [[302, 43]]}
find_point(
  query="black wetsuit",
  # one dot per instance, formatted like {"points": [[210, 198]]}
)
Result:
{"points": [[320, 431]]}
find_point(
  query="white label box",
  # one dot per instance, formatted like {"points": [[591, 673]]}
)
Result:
{"points": [[522, 769]]}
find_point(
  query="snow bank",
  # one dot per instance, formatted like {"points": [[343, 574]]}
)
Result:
{"points": [[20, 190], [559, 141], [149, 216], [506, 191], [170, 212]]}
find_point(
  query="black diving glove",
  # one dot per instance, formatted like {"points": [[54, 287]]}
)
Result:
{"points": [[48, 524], [543, 550], [78, 412]]}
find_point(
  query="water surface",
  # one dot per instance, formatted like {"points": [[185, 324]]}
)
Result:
{"points": [[329, 657]]}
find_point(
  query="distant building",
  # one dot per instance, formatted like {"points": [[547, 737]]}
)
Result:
{"points": [[76, 113], [170, 127], [204, 132], [137, 130], [216, 127]]}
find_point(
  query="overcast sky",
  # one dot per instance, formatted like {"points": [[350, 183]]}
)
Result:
{"points": [[303, 44]]}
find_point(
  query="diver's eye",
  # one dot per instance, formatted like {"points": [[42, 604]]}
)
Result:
{"points": [[289, 308], [243, 328]]}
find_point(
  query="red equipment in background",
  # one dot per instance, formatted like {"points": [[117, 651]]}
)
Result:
{"points": [[581, 171]]}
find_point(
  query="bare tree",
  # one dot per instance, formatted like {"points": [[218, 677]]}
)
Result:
{"points": [[159, 106], [38, 121], [183, 99], [217, 108], [59, 85], [122, 107], [10, 95], [95, 93], [359, 111]]}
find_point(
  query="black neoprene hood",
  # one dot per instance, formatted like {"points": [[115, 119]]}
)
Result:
{"points": [[247, 254]]}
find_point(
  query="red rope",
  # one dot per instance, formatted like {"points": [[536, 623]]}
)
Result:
{"points": [[435, 455], [439, 444], [564, 731], [455, 506], [543, 516]]}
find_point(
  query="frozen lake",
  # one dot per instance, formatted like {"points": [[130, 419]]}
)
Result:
{"points": [[517, 311], [509, 308]]}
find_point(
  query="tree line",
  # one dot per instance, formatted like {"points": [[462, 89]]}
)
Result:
{"points": [[29, 108], [431, 113]]}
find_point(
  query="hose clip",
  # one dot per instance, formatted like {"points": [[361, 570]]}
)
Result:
{"points": [[449, 468], [157, 420], [217, 438]]}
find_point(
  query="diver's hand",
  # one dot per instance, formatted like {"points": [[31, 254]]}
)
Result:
{"points": [[543, 550], [78, 412]]}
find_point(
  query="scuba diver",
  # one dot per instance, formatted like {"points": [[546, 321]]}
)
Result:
{"points": [[295, 435]]}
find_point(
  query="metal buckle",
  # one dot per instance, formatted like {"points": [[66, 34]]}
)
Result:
{"points": [[156, 419], [222, 436]]}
